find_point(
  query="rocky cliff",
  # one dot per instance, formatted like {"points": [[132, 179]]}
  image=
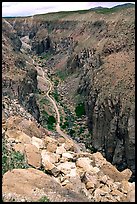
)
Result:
{"points": [[97, 48], [19, 79]]}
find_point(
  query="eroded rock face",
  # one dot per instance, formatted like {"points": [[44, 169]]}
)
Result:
{"points": [[26, 96]]}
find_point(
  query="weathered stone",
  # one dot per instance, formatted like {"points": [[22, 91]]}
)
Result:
{"points": [[67, 155], [86, 164], [89, 185], [51, 147], [113, 173], [37, 142], [104, 179], [66, 167], [69, 145], [48, 156], [99, 159], [60, 150], [33, 155], [131, 193], [98, 194], [19, 148], [89, 177], [18, 136], [51, 168], [31, 184], [50, 140], [61, 140]]}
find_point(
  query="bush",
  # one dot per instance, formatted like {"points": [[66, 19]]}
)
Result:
{"points": [[80, 110], [51, 120]]}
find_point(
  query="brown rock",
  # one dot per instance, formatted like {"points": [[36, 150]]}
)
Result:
{"points": [[99, 159], [49, 156], [33, 155], [69, 145], [61, 140], [67, 167], [19, 148], [131, 193], [19, 136], [31, 184], [113, 173], [89, 185], [39, 143], [50, 140], [51, 168], [51, 147], [86, 164], [60, 149]]}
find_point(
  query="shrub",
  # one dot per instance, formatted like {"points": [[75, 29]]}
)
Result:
{"points": [[80, 110]]}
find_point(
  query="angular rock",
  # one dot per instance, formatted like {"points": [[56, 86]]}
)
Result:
{"points": [[19, 136], [111, 171], [33, 155], [86, 164], [49, 156], [19, 148], [131, 193], [51, 147], [51, 168], [60, 150], [67, 167], [67, 155], [37, 142]]}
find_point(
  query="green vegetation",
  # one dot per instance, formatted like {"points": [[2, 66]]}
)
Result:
{"points": [[51, 120], [12, 159], [46, 56], [55, 95], [55, 16], [80, 110], [47, 121], [44, 199], [113, 9], [43, 101], [61, 74]]}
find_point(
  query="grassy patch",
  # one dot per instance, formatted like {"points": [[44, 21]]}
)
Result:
{"points": [[44, 199], [61, 74], [12, 159], [56, 95], [43, 101], [46, 56]]}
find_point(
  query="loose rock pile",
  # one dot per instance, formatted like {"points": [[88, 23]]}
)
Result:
{"points": [[60, 173]]}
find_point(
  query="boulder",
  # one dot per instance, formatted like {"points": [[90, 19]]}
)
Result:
{"points": [[86, 164], [33, 155], [111, 171], [37, 142], [60, 149], [19, 136], [49, 156], [51, 147], [67, 167], [30, 185], [19, 148]]}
